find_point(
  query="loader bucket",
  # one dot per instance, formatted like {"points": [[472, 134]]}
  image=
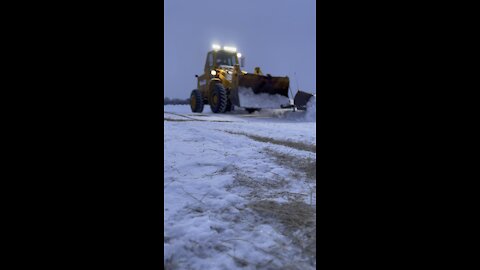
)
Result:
{"points": [[259, 91], [301, 99]]}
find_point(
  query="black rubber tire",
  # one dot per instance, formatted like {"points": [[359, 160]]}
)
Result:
{"points": [[220, 94], [230, 106], [252, 110], [196, 101]]}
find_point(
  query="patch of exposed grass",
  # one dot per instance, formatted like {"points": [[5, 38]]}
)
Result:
{"points": [[293, 215], [308, 166], [298, 222], [287, 143], [260, 188], [244, 180]]}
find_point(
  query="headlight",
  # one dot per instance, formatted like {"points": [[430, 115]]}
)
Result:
{"points": [[230, 49], [213, 72]]}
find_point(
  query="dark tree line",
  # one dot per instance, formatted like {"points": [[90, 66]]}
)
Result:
{"points": [[175, 101]]}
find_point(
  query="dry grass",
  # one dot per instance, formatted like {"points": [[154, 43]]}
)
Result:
{"points": [[298, 221], [264, 188], [296, 145], [308, 166], [243, 180], [292, 214]]}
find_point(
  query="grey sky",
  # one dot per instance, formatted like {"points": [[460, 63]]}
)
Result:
{"points": [[277, 35]]}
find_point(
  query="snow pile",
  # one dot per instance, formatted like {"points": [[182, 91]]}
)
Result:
{"points": [[311, 112], [248, 99]]}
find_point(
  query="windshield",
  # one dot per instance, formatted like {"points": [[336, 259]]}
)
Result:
{"points": [[225, 58]]}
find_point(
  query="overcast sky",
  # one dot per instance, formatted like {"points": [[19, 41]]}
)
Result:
{"points": [[277, 35]]}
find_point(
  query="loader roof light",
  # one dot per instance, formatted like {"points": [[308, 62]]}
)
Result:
{"points": [[230, 49], [216, 47], [239, 55], [213, 72]]}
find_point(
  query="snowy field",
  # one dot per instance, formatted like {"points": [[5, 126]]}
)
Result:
{"points": [[240, 189]]}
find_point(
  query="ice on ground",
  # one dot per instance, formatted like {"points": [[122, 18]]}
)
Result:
{"points": [[248, 99]]}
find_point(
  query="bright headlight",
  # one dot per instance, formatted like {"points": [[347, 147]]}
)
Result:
{"points": [[230, 49], [216, 47], [239, 55], [213, 72]]}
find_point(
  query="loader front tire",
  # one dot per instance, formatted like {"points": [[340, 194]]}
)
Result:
{"points": [[218, 99], [196, 101], [230, 106]]}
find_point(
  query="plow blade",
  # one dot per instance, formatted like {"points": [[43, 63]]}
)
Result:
{"points": [[259, 91], [301, 99]]}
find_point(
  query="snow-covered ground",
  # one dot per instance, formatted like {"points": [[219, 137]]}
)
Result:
{"points": [[240, 189]]}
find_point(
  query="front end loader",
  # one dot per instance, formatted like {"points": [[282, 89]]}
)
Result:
{"points": [[223, 85]]}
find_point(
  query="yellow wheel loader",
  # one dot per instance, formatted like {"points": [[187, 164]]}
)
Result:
{"points": [[223, 85]]}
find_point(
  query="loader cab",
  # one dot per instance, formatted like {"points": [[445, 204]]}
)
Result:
{"points": [[220, 58], [225, 58]]}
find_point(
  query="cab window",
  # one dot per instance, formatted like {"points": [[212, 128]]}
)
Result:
{"points": [[224, 58], [209, 62]]}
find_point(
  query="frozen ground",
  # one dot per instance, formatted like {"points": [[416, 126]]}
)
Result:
{"points": [[240, 189]]}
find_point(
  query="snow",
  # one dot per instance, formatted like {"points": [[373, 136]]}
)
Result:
{"points": [[310, 115], [213, 174], [178, 108], [248, 99]]}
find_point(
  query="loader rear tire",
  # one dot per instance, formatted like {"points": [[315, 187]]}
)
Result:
{"points": [[218, 99], [196, 101]]}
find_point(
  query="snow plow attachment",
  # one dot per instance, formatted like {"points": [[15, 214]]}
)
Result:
{"points": [[301, 99], [260, 92]]}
